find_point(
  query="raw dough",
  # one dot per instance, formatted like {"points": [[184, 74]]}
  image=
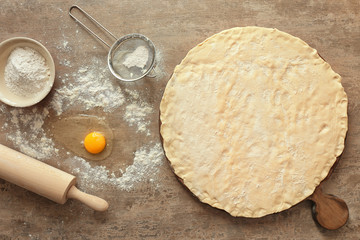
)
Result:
{"points": [[252, 120]]}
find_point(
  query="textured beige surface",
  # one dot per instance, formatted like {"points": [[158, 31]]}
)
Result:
{"points": [[169, 211], [252, 120]]}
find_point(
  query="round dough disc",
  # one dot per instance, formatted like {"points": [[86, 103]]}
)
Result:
{"points": [[253, 120]]}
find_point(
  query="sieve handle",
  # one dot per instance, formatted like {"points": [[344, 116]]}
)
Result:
{"points": [[152, 73], [94, 21]]}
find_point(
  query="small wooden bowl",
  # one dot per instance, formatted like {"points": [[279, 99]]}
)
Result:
{"points": [[6, 95]]}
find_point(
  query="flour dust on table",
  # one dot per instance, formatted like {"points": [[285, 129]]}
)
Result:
{"points": [[27, 132], [86, 89], [146, 164], [136, 113]]}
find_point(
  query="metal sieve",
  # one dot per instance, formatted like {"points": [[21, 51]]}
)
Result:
{"points": [[131, 57]]}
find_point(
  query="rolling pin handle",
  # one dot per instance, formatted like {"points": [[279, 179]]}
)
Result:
{"points": [[96, 203], [329, 211]]}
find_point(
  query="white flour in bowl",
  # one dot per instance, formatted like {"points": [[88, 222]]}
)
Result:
{"points": [[26, 72]]}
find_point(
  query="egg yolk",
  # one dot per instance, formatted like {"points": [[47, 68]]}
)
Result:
{"points": [[94, 142]]}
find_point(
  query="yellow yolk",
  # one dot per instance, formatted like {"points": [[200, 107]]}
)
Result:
{"points": [[94, 142]]}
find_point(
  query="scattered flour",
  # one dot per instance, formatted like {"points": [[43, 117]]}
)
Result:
{"points": [[146, 164], [86, 88], [64, 46], [26, 131], [26, 72], [138, 58], [135, 95], [91, 88], [65, 63], [135, 115]]}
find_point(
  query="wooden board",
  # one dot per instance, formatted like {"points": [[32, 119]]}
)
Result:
{"points": [[166, 210]]}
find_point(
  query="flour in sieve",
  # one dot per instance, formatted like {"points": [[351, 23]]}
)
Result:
{"points": [[26, 72], [138, 58]]}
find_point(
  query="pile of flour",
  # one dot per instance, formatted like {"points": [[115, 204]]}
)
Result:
{"points": [[26, 72], [138, 58]]}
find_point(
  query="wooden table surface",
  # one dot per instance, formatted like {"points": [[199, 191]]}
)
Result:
{"points": [[160, 207]]}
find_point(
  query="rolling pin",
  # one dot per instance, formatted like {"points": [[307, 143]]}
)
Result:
{"points": [[43, 179]]}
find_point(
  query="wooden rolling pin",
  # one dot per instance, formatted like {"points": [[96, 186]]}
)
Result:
{"points": [[43, 179]]}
